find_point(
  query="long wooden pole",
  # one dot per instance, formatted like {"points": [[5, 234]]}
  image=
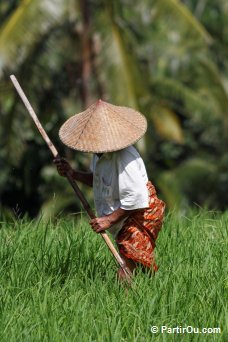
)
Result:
{"points": [[69, 177]]}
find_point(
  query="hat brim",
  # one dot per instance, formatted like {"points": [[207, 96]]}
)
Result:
{"points": [[103, 127]]}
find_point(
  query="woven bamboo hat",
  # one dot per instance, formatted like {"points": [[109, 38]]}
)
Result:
{"points": [[103, 127]]}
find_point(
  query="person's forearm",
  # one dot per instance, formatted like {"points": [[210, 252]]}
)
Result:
{"points": [[100, 224], [83, 177], [118, 215]]}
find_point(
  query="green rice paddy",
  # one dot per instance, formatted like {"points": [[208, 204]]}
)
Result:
{"points": [[58, 283]]}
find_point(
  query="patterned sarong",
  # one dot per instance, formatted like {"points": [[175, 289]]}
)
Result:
{"points": [[136, 240]]}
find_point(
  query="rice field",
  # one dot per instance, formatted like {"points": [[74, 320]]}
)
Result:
{"points": [[58, 283]]}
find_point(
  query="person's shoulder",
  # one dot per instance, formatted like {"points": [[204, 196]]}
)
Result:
{"points": [[93, 161], [130, 150], [94, 158], [128, 154]]}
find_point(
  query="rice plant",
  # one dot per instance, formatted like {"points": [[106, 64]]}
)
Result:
{"points": [[58, 283]]}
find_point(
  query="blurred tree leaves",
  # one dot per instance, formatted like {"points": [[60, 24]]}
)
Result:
{"points": [[164, 58]]}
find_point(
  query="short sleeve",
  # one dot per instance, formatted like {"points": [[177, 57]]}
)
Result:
{"points": [[133, 192]]}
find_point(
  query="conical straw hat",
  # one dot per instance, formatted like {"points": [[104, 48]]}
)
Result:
{"points": [[103, 127]]}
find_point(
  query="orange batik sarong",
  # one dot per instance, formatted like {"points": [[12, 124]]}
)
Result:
{"points": [[136, 240]]}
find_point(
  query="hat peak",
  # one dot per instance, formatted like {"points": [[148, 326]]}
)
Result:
{"points": [[99, 102]]}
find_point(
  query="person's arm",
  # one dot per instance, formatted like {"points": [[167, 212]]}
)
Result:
{"points": [[64, 168], [100, 224]]}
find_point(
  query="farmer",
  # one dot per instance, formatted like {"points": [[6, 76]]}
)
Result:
{"points": [[126, 202]]}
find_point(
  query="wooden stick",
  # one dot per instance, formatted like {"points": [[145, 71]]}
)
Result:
{"points": [[69, 177]]}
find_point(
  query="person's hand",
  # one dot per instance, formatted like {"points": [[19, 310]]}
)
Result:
{"points": [[63, 167], [99, 224]]}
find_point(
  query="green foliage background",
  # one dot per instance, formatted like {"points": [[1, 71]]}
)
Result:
{"points": [[166, 58]]}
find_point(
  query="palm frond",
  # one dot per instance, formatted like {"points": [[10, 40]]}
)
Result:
{"points": [[189, 102], [190, 179], [217, 87], [167, 124], [29, 21], [182, 12], [122, 64]]}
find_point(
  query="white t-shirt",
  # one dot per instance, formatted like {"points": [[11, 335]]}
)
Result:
{"points": [[119, 181]]}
